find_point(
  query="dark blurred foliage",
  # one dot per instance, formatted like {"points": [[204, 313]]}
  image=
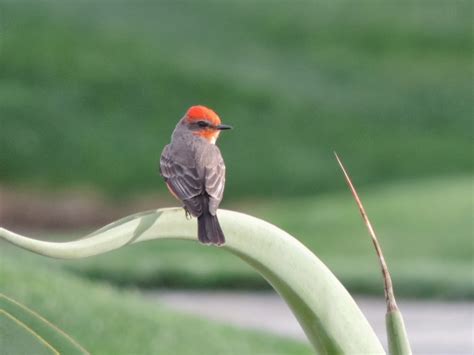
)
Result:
{"points": [[90, 91]]}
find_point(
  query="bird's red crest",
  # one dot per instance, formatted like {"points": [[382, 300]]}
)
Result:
{"points": [[196, 113]]}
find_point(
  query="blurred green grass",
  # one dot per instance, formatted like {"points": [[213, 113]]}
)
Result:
{"points": [[425, 228], [108, 321], [90, 91]]}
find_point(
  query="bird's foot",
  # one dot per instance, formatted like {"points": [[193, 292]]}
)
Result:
{"points": [[187, 213]]}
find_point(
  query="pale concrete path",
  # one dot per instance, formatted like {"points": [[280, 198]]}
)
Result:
{"points": [[434, 327]]}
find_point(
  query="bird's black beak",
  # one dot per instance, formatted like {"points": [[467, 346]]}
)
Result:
{"points": [[222, 127]]}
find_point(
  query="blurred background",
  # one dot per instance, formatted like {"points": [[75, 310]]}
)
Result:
{"points": [[90, 92]]}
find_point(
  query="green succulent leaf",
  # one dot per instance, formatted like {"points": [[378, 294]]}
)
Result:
{"points": [[398, 343], [23, 331], [325, 310]]}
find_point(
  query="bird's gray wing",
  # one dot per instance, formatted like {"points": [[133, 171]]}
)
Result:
{"points": [[183, 180], [214, 178]]}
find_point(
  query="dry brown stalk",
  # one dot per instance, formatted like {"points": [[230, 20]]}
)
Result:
{"points": [[388, 288]]}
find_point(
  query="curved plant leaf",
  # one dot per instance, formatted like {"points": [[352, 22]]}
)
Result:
{"points": [[398, 343], [326, 311], [24, 331]]}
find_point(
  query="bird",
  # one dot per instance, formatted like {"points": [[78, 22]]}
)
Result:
{"points": [[194, 171]]}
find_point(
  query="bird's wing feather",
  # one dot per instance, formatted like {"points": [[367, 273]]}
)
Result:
{"points": [[195, 205], [215, 178], [183, 180]]}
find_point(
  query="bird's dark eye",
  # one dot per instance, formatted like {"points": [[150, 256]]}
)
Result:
{"points": [[203, 124]]}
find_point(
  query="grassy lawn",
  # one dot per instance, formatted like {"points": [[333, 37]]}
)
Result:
{"points": [[90, 91], [425, 228], [108, 321]]}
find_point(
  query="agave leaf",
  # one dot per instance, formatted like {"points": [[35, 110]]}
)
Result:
{"points": [[326, 311], [398, 343], [24, 331]]}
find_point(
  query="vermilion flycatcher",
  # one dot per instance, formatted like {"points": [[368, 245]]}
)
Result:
{"points": [[194, 170]]}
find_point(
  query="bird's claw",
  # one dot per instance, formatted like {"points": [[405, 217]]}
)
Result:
{"points": [[188, 215]]}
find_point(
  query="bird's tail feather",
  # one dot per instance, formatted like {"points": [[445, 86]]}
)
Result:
{"points": [[209, 230]]}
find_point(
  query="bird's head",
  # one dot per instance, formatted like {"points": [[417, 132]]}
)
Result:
{"points": [[204, 122]]}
